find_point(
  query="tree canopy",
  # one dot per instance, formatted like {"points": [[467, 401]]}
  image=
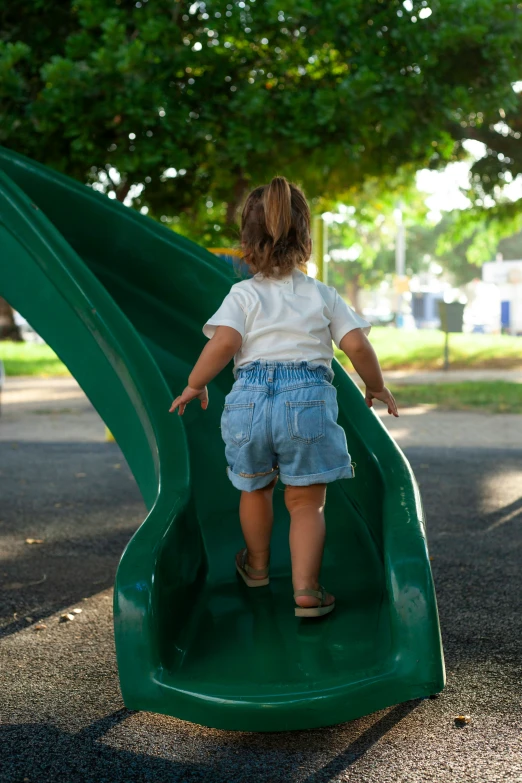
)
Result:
{"points": [[494, 212], [184, 105], [362, 238]]}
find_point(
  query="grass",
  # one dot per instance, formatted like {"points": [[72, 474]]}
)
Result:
{"points": [[424, 350], [31, 359], [485, 396], [396, 350]]}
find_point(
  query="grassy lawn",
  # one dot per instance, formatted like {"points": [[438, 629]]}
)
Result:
{"points": [[396, 349], [30, 359], [424, 350], [485, 396]]}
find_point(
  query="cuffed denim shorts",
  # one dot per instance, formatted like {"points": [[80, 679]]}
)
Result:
{"points": [[280, 418]]}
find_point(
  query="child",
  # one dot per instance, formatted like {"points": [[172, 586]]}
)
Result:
{"points": [[280, 418]]}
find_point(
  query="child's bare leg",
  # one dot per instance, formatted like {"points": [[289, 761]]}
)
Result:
{"points": [[307, 534], [257, 516]]}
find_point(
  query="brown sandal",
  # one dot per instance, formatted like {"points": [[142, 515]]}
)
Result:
{"points": [[245, 571], [313, 611]]}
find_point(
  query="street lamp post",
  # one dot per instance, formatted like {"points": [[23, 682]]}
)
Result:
{"points": [[400, 257], [320, 248]]}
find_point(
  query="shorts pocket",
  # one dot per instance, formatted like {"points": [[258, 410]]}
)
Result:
{"points": [[306, 420], [236, 422]]}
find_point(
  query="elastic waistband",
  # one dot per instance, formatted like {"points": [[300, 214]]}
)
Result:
{"points": [[284, 371]]}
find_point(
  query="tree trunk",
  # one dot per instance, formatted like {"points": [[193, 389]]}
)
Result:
{"points": [[8, 328], [122, 190], [239, 191], [352, 289]]}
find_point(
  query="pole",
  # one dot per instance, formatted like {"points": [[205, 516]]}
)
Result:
{"points": [[400, 256], [325, 253], [319, 246], [446, 351]]}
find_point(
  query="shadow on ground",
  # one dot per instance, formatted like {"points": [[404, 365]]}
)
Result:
{"points": [[474, 510], [52, 754]]}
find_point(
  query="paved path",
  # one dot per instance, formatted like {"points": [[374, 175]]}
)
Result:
{"points": [[450, 376], [62, 718], [48, 409], [56, 410]]}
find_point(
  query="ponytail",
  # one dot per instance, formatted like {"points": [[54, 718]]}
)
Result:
{"points": [[277, 201], [275, 229]]}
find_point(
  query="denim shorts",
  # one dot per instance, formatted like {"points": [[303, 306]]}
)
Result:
{"points": [[280, 418]]}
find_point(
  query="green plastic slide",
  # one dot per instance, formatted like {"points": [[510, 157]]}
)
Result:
{"points": [[122, 301]]}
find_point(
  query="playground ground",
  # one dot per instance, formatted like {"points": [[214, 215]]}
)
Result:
{"points": [[62, 718]]}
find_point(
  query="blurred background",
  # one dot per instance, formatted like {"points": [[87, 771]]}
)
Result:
{"points": [[401, 120]]}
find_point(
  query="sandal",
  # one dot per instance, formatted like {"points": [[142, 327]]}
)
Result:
{"points": [[245, 572], [313, 611]]}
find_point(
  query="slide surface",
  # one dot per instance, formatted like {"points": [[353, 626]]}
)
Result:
{"points": [[122, 300]]}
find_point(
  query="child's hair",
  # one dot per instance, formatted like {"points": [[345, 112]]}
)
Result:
{"points": [[275, 229]]}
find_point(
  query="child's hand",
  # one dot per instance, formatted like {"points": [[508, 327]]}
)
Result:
{"points": [[187, 395], [384, 396]]}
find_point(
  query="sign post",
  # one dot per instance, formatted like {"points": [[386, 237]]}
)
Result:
{"points": [[400, 259], [451, 319]]}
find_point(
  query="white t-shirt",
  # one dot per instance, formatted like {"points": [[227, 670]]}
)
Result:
{"points": [[291, 319]]}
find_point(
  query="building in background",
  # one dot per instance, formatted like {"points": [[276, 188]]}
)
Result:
{"points": [[504, 278]]}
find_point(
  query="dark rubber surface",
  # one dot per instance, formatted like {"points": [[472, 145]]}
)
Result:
{"points": [[60, 707]]}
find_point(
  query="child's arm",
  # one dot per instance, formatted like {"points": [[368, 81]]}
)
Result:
{"points": [[359, 350], [216, 354]]}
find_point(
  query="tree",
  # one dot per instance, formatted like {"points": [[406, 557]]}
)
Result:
{"points": [[362, 231], [511, 247], [183, 106], [424, 247], [494, 214], [9, 330], [364, 234]]}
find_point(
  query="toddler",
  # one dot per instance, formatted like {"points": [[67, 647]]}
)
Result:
{"points": [[280, 418]]}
